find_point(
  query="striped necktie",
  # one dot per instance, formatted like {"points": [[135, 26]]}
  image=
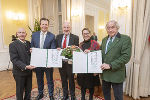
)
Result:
{"points": [[109, 43]]}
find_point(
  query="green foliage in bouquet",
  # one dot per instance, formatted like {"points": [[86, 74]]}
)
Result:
{"points": [[36, 26], [68, 52]]}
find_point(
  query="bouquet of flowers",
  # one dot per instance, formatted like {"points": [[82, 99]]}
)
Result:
{"points": [[68, 52]]}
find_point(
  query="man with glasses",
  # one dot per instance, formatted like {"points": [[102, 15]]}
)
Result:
{"points": [[116, 52]]}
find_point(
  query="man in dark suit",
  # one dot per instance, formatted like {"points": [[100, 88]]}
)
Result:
{"points": [[116, 52], [20, 56], [62, 41], [44, 40]]}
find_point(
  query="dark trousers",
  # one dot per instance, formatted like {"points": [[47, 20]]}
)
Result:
{"points": [[23, 83], [83, 92], [117, 89], [66, 74], [40, 79]]}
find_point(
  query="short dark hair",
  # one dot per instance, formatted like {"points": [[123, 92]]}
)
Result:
{"points": [[86, 29], [44, 19]]}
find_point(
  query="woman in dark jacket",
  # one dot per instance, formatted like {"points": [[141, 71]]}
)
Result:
{"points": [[88, 80]]}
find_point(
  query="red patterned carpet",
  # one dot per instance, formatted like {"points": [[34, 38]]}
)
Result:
{"points": [[57, 93]]}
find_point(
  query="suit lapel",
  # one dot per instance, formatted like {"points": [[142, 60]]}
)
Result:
{"points": [[70, 40], [38, 39], [47, 38], [104, 48], [60, 40], [116, 40], [22, 46]]}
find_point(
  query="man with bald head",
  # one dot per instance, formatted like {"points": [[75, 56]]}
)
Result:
{"points": [[62, 41], [22, 70]]}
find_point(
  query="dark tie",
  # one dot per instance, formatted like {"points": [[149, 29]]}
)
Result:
{"points": [[64, 43], [109, 43]]}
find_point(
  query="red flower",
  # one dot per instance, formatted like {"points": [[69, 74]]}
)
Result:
{"points": [[149, 38]]}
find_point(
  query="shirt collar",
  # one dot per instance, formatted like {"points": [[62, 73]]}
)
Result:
{"points": [[43, 33], [22, 41], [66, 35], [112, 37]]}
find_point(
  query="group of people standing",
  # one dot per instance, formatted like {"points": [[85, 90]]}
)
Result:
{"points": [[116, 52]]}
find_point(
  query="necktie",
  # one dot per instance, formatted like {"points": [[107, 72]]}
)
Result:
{"points": [[109, 43], [42, 41], [64, 43]]}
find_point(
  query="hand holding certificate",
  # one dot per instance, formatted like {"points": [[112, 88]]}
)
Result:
{"points": [[87, 63], [46, 58]]}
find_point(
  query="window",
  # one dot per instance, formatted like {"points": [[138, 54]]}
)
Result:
{"points": [[59, 16]]}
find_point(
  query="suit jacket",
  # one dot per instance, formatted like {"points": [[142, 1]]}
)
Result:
{"points": [[73, 40], [117, 56], [49, 42], [20, 57]]}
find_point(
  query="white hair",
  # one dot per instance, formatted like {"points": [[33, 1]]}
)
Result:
{"points": [[114, 22]]}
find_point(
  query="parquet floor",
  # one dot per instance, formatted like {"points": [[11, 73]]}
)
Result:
{"points": [[7, 85]]}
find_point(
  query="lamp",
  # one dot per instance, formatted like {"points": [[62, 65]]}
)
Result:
{"points": [[102, 27], [75, 12], [123, 6], [102, 31], [17, 17]]}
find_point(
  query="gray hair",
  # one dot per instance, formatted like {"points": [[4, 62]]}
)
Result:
{"points": [[68, 22], [114, 22]]}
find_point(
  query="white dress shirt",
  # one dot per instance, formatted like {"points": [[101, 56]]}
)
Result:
{"points": [[42, 33], [67, 42]]}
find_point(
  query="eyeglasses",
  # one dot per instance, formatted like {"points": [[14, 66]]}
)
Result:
{"points": [[86, 33], [112, 27]]}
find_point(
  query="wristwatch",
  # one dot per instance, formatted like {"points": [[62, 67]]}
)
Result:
{"points": [[25, 68], [110, 66]]}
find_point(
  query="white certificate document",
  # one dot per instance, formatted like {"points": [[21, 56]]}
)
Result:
{"points": [[54, 58], [87, 63], [94, 62], [46, 58], [79, 62]]}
